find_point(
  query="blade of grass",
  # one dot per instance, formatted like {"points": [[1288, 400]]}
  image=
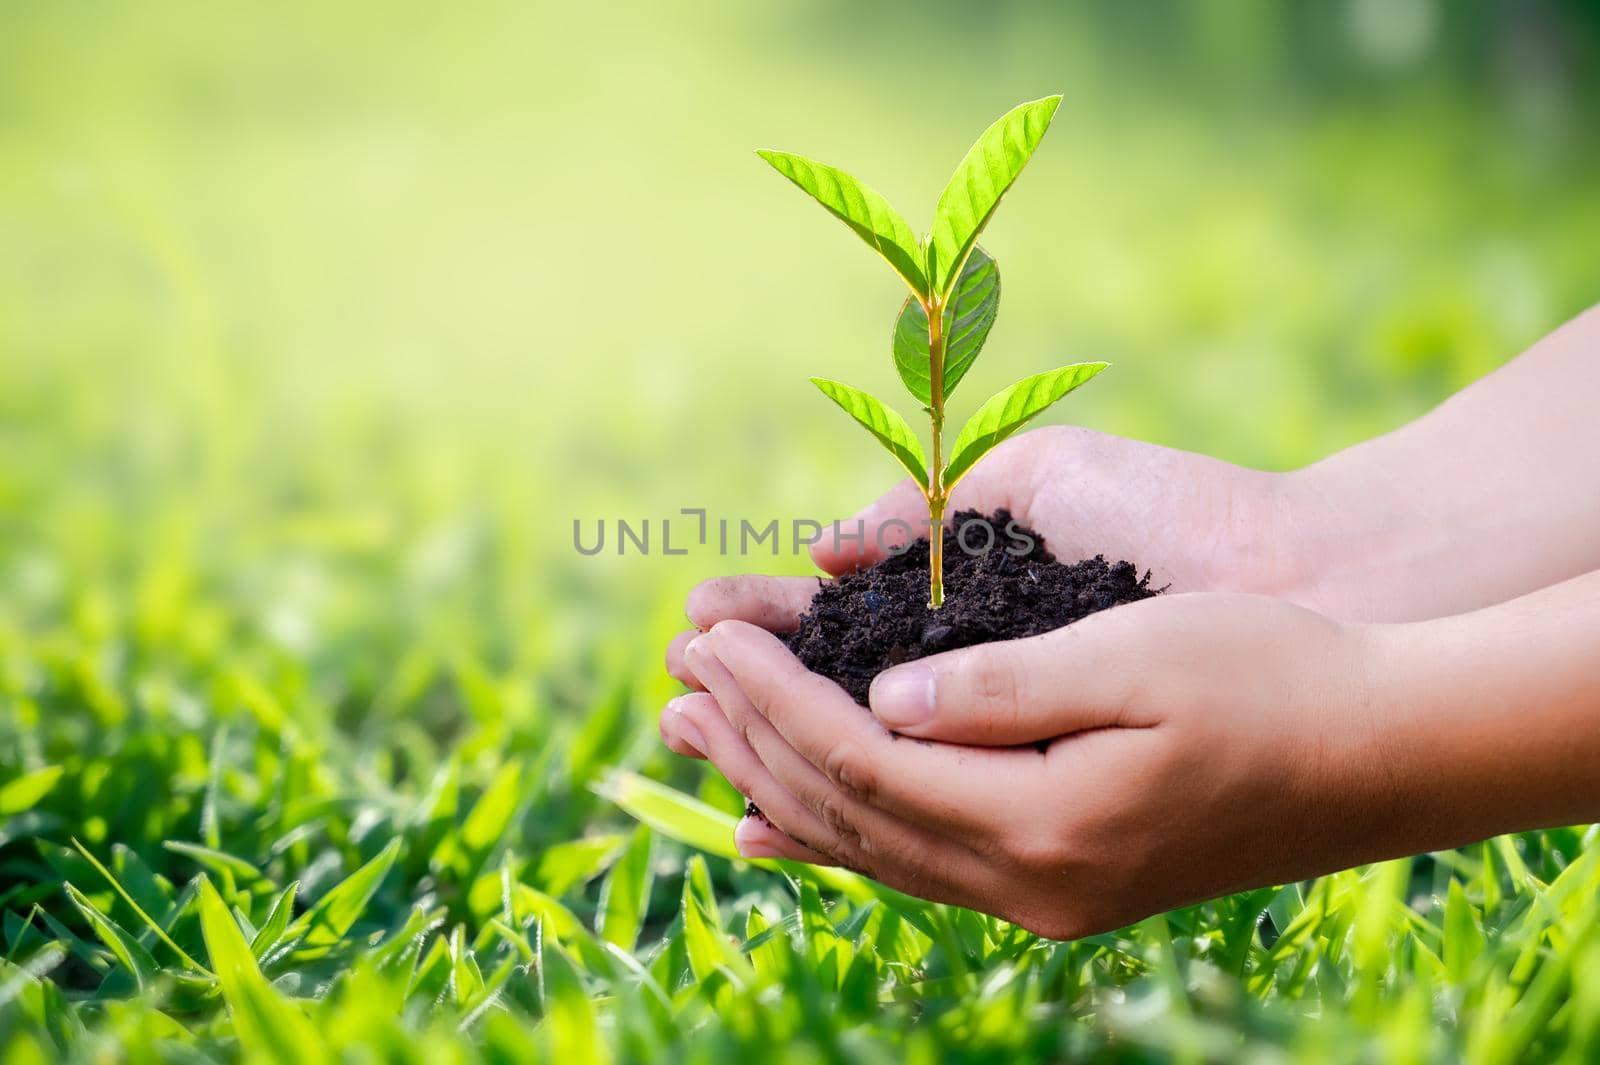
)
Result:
{"points": [[161, 933]]}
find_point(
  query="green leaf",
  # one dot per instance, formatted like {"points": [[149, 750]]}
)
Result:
{"points": [[709, 949], [219, 862], [27, 994], [697, 876], [625, 896], [705, 828], [974, 191], [576, 861], [128, 951], [761, 945], [333, 915], [466, 979], [571, 1025], [493, 811], [701, 941], [139, 911], [672, 813], [269, 1028], [277, 922], [1010, 410], [816, 930], [1463, 936], [860, 208], [968, 317], [882, 422], [25, 791], [155, 894]]}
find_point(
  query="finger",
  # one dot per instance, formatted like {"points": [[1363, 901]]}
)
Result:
{"points": [[1084, 676], [961, 793], [890, 522], [773, 603], [680, 733], [900, 516], [675, 667], [868, 841], [756, 837], [732, 756]]}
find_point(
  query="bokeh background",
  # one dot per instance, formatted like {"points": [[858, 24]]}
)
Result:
{"points": [[295, 292], [320, 324]]}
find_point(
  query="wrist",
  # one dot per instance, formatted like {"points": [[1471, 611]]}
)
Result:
{"points": [[1346, 549], [1402, 777], [1482, 723], [1290, 538]]}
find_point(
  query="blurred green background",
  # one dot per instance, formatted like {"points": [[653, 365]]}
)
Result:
{"points": [[320, 324], [401, 279]]}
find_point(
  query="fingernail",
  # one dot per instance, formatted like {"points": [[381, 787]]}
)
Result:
{"points": [[749, 839], [702, 644], [701, 657], [903, 696], [683, 728]]}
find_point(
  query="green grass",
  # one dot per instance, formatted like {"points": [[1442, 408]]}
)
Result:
{"points": [[318, 326], [251, 890]]}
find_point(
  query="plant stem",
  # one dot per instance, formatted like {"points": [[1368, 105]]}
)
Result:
{"points": [[936, 496]]}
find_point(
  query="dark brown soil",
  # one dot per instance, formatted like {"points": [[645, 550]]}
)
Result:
{"points": [[878, 617]]}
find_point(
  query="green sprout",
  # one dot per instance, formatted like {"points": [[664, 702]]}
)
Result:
{"points": [[955, 295]]}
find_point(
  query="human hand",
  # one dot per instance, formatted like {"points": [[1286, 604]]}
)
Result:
{"points": [[1199, 524], [1196, 522], [1150, 756]]}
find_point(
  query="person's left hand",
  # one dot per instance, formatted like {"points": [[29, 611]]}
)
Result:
{"points": [[1154, 755]]}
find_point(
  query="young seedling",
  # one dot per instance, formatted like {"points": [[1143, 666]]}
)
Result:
{"points": [[955, 295]]}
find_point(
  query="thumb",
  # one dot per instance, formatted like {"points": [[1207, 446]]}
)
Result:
{"points": [[887, 524], [900, 516], [1083, 676]]}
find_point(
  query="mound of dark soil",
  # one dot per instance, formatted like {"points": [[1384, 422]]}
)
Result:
{"points": [[874, 618]]}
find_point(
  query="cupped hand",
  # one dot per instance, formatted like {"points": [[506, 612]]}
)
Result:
{"points": [[1197, 523], [1153, 755]]}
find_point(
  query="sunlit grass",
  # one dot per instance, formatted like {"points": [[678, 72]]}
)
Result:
{"points": [[318, 327]]}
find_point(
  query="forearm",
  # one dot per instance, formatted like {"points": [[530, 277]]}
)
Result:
{"points": [[1489, 722], [1491, 495]]}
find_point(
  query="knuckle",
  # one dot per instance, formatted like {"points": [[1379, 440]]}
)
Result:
{"points": [[837, 849], [992, 689], [741, 726], [833, 812], [889, 851], [846, 765]]}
